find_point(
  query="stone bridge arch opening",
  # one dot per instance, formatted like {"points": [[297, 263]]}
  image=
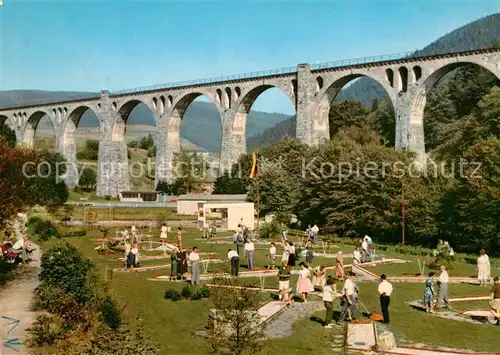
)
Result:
{"points": [[136, 128], [355, 100], [80, 147], [40, 132], [446, 97], [195, 136], [264, 115], [7, 130]]}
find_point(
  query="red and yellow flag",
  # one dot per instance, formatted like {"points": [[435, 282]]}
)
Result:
{"points": [[253, 173]]}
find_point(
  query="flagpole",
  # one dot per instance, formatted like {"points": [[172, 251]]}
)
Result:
{"points": [[404, 216], [258, 198]]}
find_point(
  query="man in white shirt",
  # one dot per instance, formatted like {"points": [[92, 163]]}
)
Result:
{"points": [[249, 248], [364, 251], [349, 299], [194, 260], [385, 290], [234, 259], [443, 299]]}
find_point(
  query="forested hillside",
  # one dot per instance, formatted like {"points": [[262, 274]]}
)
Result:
{"points": [[481, 33]]}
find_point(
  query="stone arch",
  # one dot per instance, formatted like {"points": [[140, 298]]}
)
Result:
{"points": [[320, 112], [416, 136], [243, 107], [70, 124], [67, 142], [417, 73], [319, 83], [403, 79], [227, 98], [389, 75], [124, 112], [180, 106], [29, 128]]}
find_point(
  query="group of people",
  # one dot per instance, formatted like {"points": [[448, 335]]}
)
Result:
{"points": [[21, 248], [178, 235]]}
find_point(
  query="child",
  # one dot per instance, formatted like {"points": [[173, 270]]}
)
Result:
{"points": [[272, 256], [329, 293]]}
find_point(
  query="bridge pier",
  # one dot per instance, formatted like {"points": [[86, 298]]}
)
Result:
{"points": [[112, 166]]}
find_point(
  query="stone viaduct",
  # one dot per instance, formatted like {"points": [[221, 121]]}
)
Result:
{"points": [[312, 88]]}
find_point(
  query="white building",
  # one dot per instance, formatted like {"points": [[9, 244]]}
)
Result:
{"points": [[188, 204], [227, 214]]}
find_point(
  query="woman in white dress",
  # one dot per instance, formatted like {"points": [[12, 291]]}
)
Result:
{"points": [[483, 268], [304, 283], [163, 235]]}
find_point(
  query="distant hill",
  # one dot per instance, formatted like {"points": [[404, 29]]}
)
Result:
{"points": [[482, 33]]}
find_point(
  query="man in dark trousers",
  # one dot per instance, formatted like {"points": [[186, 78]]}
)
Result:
{"points": [[234, 259], [385, 290]]}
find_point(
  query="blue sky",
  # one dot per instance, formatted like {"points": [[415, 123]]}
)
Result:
{"points": [[94, 45]]}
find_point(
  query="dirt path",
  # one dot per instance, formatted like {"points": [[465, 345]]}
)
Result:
{"points": [[15, 302]]}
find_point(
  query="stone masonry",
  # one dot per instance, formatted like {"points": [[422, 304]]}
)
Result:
{"points": [[407, 81]]}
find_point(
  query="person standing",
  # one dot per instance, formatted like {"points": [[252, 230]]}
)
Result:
{"points": [[304, 283], [483, 268], [339, 268], [385, 290], [283, 279], [291, 256], [350, 301], [272, 256], [234, 260], [364, 251], [127, 248], [284, 237], [315, 232], [429, 293], [369, 242], [443, 288], [194, 260], [174, 262], [329, 292], [309, 253], [319, 280], [356, 256], [239, 241], [163, 232], [182, 266], [495, 298], [249, 249], [178, 238]]}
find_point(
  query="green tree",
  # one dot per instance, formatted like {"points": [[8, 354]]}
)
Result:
{"points": [[88, 179], [345, 114], [8, 135]]}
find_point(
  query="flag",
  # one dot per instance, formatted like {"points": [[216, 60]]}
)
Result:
{"points": [[253, 173]]}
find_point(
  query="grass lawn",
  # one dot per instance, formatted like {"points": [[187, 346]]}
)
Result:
{"points": [[173, 324], [132, 213]]}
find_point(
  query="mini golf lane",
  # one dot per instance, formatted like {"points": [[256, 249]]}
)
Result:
{"points": [[165, 266], [270, 310], [362, 338]]}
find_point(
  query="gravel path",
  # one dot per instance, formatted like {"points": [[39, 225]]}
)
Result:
{"points": [[282, 325], [15, 302]]}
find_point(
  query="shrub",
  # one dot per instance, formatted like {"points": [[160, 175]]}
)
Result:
{"points": [[110, 313], [270, 229], [66, 268], [196, 294], [172, 295], [187, 291], [46, 230], [205, 292], [46, 331]]}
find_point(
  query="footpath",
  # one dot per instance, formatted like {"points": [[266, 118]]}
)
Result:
{"points": [[15, 306]]}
